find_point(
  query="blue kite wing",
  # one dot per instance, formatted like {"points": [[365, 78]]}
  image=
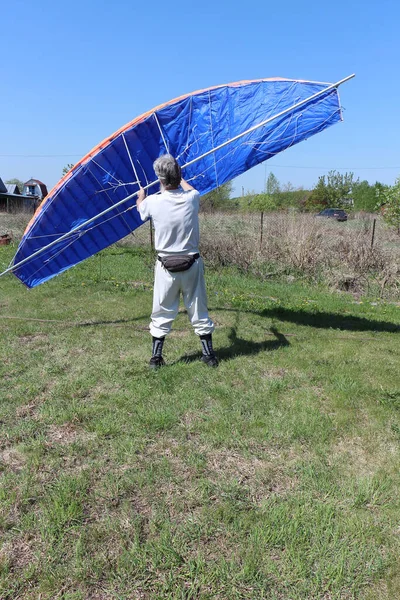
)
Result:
{"points": [[189, 127]]}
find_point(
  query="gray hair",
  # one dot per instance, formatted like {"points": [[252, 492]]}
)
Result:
{"points": [[168, 171]]}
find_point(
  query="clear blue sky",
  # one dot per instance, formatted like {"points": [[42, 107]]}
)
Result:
{"points": [[72, 73]]}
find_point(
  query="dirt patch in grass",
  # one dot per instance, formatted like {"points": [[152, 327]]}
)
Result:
{"points": [[274, 373], [364, 460], [12, 459], [68, 433], [18, 552], [257, 477], [34, 337], [27, 410]]}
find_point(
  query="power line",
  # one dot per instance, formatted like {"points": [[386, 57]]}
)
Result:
{"points": [[334, 168], [39, 155]]}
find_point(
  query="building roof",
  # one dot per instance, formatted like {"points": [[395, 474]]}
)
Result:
{"points": [[3, 188], [12, 188], [33, 181], [39, 183]]}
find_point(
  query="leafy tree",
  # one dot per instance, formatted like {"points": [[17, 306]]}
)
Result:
{"points": [[67, 168], [340, 187], [333, 190], [389, 199], [272, 186], [290, 197], [272, 189], [265, 202], [259, 202], [217, 198], [319, 197], [17, 182], [365, 196]]}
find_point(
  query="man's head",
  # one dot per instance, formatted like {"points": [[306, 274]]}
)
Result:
{"points": [[168, 171]]}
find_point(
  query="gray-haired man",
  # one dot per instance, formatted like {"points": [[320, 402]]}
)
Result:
{"points": [[179, 268]]}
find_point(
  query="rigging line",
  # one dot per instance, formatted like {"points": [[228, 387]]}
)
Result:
{"points": [[121, 184], [238, 136], [79, 235], [105, 171], [195, 141], [232, 151], [308, 131], [212, 136], [161, 132], [38, 237], [270, 119], [44, 264], [280, 138], [130, 158], [284, 96], [191, 132], [190, 121], [119, 214], [114, 186], [80, 232], [188, 130], [292, 137], [255, 144], [144, 172], [126, 224]]}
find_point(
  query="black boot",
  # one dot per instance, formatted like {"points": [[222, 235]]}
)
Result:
{"points": [[208, 352], [157, 360]]}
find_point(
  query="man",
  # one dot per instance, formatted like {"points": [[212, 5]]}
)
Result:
{"points": [[179, 268]]}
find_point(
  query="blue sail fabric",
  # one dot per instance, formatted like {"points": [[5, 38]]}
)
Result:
{"points": [[188, 128]]}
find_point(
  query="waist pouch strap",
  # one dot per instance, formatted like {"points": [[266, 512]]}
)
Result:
{"points": [[178, 262]]}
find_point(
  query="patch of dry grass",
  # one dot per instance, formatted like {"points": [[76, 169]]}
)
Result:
{"points": [[339, 253]]}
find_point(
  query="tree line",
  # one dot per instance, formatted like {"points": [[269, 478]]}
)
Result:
{"points": [[334, 190]]}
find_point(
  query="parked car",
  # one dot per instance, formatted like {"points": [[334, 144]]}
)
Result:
{"points": [[333, 213]]}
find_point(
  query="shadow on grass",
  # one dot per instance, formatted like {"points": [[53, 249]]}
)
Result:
{"points": [[321, 320], [241, 347]]}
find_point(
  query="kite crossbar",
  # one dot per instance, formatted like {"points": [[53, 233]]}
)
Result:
{"points": [[107, 210]]}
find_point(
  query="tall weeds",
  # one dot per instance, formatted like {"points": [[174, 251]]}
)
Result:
{"points": [[341, 254]]}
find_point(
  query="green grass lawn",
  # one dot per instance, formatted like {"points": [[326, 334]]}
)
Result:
{"points": [[275, 476]]}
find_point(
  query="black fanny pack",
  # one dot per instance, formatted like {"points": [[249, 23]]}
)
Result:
{"points": [[178, 262]]}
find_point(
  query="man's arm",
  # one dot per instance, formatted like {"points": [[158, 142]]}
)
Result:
{"points": [[140, 197], [186, 186]]}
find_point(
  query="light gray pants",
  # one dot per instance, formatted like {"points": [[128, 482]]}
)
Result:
{"points": [[167, 289]]}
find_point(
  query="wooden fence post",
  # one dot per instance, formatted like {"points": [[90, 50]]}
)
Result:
{"points": [[151, 234], [373, 233]]}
